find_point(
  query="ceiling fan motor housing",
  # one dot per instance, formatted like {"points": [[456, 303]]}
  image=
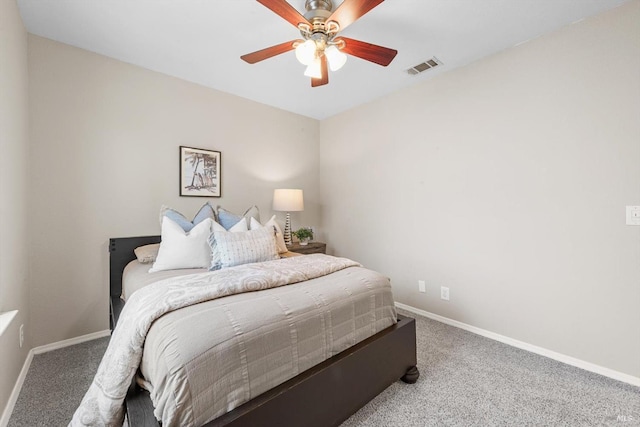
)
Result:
{"points": [[318, 11], [310, 5]]}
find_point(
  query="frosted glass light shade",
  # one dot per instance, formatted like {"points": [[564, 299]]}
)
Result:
{"points": [[314, 70], [336, 58], [288, 200], [306, 52]]}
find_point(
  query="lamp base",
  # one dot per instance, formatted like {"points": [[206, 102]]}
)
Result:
{"points": [[287, 230]]}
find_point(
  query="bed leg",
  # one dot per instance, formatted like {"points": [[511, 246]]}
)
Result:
{"points": [[411, 376]]}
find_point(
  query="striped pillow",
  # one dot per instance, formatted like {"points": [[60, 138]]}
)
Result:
{"points": [[229, 249]]}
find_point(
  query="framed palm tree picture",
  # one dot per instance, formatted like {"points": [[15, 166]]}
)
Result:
{"points": [[199, 172]]}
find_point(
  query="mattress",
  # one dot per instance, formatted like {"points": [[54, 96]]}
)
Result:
{"points": [[204, 360], [136, 275]]}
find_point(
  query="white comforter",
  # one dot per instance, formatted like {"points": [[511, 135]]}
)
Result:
{"points": [[102, 405]]}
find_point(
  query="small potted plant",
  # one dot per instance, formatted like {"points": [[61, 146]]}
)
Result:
{"points": [[304, 235]]}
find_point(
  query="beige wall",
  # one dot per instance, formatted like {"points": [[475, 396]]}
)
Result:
{"points": [[14, 133], [506, 181], [104, 158]]}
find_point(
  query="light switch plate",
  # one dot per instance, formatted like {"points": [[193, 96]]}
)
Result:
{"points": [[422, 286], [633, 215]]}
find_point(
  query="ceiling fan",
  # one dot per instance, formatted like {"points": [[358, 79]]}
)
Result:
{"points": [[320, 42]]}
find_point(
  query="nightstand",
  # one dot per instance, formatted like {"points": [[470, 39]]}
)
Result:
{"points": [[310, 248]]}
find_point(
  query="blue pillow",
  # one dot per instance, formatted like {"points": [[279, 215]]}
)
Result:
{"points": [[228, 219], [206, 211]]}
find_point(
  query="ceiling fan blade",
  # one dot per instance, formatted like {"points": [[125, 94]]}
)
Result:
{"points": [[268, 52], [325, 74], [367, 51], [351, 10], [286, 11]]}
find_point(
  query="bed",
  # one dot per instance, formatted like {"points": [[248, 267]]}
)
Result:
{"points": [[323, 395]]}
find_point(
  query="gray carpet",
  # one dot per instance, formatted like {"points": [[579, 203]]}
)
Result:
{"points": [[469, 380], [466, 380], [56, 383]]}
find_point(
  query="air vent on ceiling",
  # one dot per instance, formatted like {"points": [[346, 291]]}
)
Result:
{"points": [[424, 66]]}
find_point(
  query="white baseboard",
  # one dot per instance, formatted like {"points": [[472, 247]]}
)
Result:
{"points": [[6, 414], [587, 366], [71, 341]]}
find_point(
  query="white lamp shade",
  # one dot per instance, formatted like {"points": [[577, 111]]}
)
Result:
{"points": [[288, 200], [306, 52], [336, 58], [314, 70]]}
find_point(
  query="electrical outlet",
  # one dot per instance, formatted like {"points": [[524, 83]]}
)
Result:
{"points": [[444, 293], [421, 286], [633, 215], [21, 335]]}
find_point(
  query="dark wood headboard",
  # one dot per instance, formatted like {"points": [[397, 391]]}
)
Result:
{"points": [[121, 254]]}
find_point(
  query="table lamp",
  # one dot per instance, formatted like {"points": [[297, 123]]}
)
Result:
{"points": [[288, 200]]}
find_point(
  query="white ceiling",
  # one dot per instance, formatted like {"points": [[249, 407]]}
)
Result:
{"points": [[201, 41]]}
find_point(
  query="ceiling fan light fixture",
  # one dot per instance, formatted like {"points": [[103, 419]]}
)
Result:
{"points": [[306, 52], [314, 70], [320, 27], [336, 58]]}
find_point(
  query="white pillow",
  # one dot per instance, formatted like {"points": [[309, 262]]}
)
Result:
{"points": [[282, 246], [240, 226], [231, 249], [181, 249]]}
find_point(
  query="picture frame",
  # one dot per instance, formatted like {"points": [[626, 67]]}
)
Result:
{"points": [[200, 172]]}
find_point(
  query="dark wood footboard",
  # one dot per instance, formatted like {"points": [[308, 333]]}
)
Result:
{"points": [[329, 393], [324, 395]]}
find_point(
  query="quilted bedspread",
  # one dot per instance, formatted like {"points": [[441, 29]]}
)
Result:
{"points": [[103, 403]]}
